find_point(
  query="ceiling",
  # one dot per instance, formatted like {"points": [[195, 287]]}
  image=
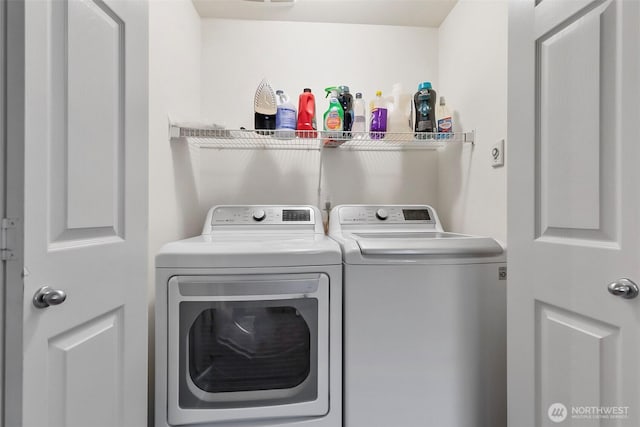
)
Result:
{"points": [[414, 13]]}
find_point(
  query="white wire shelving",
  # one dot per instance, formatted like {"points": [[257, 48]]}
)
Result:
{"points": [[216, 137]]}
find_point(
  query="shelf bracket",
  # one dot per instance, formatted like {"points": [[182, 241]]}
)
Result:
{"points": [[470, 137]]}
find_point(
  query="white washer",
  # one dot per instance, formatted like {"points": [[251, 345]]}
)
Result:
{"points": [[249, 322], [424, 320]]}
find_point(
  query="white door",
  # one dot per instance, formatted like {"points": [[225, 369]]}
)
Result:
{"points": [[85, 216], [574, 212]]}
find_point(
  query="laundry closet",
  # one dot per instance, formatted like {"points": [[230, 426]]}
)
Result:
{"points": [[99, 178], [205, 64]]}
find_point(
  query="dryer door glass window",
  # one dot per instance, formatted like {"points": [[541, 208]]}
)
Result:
{"points": [[249, 348], [235, 352]]}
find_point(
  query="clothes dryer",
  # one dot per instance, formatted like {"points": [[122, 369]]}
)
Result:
{"points": [[424, 320], [248, 322]]}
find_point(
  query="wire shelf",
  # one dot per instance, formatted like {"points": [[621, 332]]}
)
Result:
{"points": [[239, 139]]}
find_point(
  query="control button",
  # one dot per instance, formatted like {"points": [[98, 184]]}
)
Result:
{"points": [[259, 215], [382, 214]]}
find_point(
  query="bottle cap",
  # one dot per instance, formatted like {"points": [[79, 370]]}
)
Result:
{"points": [[442, 101], [306, 89], [424, 85], [358, 95], [378, 93], [279, 92], [344, 89]]}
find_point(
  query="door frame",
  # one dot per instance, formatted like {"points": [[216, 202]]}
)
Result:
{"points": [[13, 188], [3, 163]]}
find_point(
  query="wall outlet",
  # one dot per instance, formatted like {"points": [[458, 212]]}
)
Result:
{"points": [[497, 154]]}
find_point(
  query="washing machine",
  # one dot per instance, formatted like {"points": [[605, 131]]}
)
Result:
{"points": [[249, 322], [424, 320]]}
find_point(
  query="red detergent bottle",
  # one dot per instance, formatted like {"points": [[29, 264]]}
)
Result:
{"points": [[306, 126]]}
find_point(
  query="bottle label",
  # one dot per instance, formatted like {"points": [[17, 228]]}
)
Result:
{"points": [[285, 118], [379, 120], [445, 125], [424, 126], [333, 121]]}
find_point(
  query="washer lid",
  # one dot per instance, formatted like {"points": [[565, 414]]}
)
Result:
{"points": [[426, 244], [417, 247], [250, 250]]}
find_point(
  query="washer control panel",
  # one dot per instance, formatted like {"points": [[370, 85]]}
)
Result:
{"points": [[395, 214], [267, 215]]}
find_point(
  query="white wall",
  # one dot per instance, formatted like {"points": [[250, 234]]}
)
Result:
{"points": [[174, 90], [236, 55], [473, 78]]}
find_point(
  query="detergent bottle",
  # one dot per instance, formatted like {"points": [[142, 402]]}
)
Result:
{"points": [[285, 116], [378, 125], [306, 126], [398, 110], [424, 109]]}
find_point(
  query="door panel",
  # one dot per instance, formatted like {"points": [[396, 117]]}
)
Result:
{"points": [[573, 209], [95, 37], [576, 360], [576, 137], [86, 144], [100, 340], [570, 148]]}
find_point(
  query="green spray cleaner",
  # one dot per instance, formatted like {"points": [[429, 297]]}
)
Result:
{"points": [[333, 117]]}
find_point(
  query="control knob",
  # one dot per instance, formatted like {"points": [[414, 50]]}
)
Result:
{"points": [[382, 214], [259, 215]]}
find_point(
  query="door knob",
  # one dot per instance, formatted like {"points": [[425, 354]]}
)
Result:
{"points": [[624, 288], [46, 296]]}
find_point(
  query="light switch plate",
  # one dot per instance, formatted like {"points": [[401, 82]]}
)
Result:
{"points": [[497, 154]]}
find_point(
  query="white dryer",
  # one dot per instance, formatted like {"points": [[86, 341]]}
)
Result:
{"points": [[424, 320], [249, 322]]}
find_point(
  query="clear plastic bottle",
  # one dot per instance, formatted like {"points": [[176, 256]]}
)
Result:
{"points": [[285, 116], [378, 125], [398, 110], [359, 117]]}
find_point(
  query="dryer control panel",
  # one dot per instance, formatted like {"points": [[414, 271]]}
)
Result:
{"points": [[390, 214], [262, 215]]}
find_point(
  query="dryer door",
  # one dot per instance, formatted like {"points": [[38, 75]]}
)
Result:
{"points": [[248, 347]]}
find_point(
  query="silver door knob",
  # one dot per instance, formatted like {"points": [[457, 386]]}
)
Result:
{"points": [[46, 296], [624, 288]]}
